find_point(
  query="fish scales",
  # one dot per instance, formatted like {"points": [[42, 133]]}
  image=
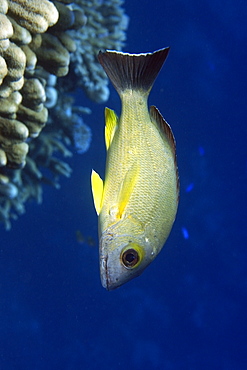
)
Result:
{"points": [[138, 200], [145, 146]]}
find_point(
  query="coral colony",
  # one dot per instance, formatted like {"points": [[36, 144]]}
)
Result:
{"points": [[41, 41]]}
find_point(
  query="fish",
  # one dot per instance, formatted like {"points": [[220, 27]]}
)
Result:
{"points": [[137, 202]]}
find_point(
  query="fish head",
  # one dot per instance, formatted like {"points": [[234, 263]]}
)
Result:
{"points": [[122, 258]]}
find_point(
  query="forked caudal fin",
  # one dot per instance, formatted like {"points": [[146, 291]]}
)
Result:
{"points": [[132, 71]]}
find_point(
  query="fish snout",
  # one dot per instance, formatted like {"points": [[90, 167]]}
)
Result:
{"points": [[120, 264], [110, 277]]}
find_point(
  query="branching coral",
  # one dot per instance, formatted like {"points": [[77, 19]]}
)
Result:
{"points": [[105, 28], [41, 40]]}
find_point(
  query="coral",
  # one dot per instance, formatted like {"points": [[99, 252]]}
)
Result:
{"points": [[36, 15], [105, 28], [13, 133], [41, 41]]}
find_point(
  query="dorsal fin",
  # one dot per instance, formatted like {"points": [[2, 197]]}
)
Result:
{"points": [[164, 127], [132, 71], [111, 122], [166, 130]]}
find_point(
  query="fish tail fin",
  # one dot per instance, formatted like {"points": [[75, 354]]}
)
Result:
{"points": [[132, 71]]}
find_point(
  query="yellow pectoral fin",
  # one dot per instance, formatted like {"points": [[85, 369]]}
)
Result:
{"points": [[127, 188], [97, 190], [111, 122]]}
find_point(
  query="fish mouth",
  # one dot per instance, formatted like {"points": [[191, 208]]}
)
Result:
{"points": [[104, 272], [107, 280]]}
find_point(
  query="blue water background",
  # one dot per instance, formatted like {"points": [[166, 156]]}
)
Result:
{"points": [[188, 309]]}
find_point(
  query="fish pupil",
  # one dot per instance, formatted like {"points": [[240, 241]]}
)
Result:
{"points": [[130, 258]]}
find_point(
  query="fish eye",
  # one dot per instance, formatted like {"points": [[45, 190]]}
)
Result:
{"points": [[130, 258], [132, 255]]}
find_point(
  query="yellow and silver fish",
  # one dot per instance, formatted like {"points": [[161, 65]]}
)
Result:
{"points": [[137, 202]]}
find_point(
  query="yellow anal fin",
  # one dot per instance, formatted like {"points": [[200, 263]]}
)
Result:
{"points": [[127, 188], [111, 122], [97, 190]]}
